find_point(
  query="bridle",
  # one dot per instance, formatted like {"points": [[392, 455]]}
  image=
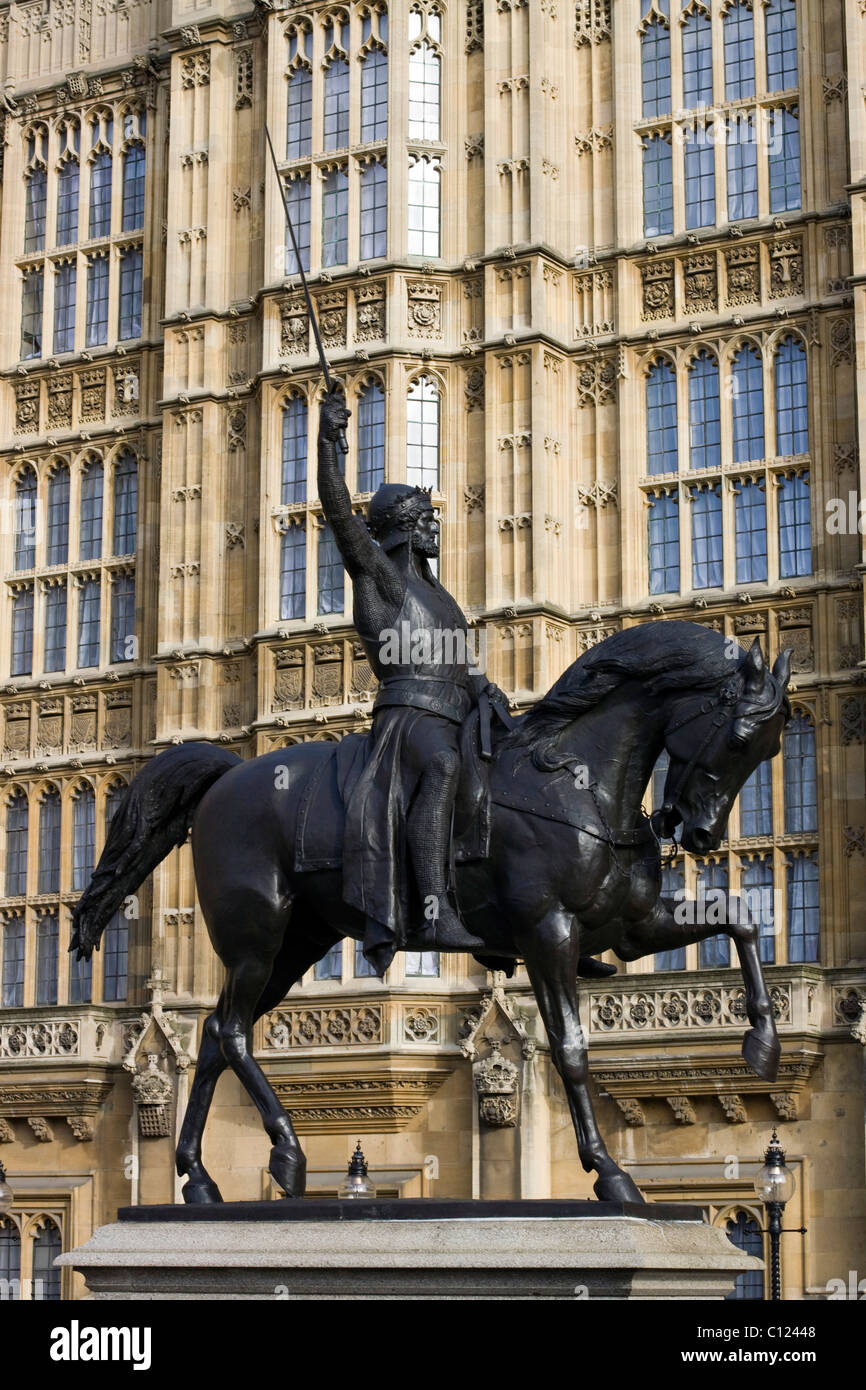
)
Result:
{"points": [[728, 696]]}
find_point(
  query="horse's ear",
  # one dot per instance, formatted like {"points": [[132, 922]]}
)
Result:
{"points": [[754, 669], [782, 667]]}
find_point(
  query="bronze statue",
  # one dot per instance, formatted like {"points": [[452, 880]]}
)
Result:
{"points": [[559, 862]]}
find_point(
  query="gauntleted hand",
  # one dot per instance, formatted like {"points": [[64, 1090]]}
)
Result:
{"points": [[333, 416], [495, 695]]}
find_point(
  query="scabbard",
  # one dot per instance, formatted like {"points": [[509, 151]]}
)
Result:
{"points": [[484, 726]]}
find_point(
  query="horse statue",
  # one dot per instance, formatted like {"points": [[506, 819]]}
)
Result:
{"points": [[572, 865]]}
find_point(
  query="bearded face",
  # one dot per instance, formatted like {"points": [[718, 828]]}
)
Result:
{"points": [[425, 537]]}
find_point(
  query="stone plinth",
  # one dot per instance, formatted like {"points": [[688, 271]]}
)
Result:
{"points": [[425, 1249]]}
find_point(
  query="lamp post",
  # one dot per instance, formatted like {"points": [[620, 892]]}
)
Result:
{"points": [[775, 1184], [5, 1193]]}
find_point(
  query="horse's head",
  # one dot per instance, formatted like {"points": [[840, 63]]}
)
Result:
{"points": [[716, 741]]}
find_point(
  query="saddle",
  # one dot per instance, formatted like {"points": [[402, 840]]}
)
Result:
{"points": [[322, 812]]}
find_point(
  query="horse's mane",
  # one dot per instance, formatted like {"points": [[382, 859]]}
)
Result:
{"points": [[669, 655]]}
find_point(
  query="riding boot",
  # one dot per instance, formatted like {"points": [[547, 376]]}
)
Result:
{"points": [[429, 834]]}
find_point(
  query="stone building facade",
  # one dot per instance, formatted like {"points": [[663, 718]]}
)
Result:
{"points": [[594, 271]]}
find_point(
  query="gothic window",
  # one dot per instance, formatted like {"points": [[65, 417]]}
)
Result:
{"points": [[10, 1258], [132, 199], [330, 967], [47, 933], [423, 206], [293, 572], [422, 433], [122, 617], [712, 896], [25, 520], [374, 210], [739, 31], [49, 844], [55, 627], [742, 163], [425, 77], [747, 402], [129, 325], [781, 25], [697, 61], [705, 450], [800, 772], [374, 94], [706, 537], [31, 313], [672, 888], [661, 419], [96, 326], [745, 1233], [700, 177], [371, 437], [655, 61], [336, 86], [64, 306], [46, 1247], [125, 504], [658, 186], [663, 538], [115, 944], [750, 526], [803, 910], [17, 821], [57, 551], [88, 623], [294, 451], [299, 132], [784, 161], [90, 531], [83, 838], [22, 633], [795, 527], [335, 218], [792, 406], [67, 203], [34, 223], [13, 963], [421, 964], [330, 574], [756, 803], [100, 194], [756, 883], [298, 200]]}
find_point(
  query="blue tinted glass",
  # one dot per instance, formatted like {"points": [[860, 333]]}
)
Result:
{"points": [[756, 887], [783, 161], [739, 52], [664, 545], [656, 69], [795, 527], [705, 450], [293, 572], [750, 518], [747, 405], [299, 130], [756, 803], [294, 471], [661, 419], [800, 771], [792, 406], [803, 908], [707, 538], [700, 178], [658, 188], [697, 62], [742, 160], [712, 881], [781, 24]]}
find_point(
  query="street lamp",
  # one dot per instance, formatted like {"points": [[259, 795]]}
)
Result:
{"points": [[357, 1184], [775, 1184], [5, 1193]]}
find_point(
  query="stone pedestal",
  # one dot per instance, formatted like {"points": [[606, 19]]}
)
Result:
{"points": [[425, 1249]]}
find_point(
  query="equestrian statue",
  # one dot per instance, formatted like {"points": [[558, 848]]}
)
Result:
{"points": [[452, 826]]}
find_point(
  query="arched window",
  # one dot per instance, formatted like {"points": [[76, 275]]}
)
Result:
{"points": [[374, 210], [374, 92], [299, 127], [705, 449], [425, 77], [756, 884], [756, 803], [90, 532], [655, 64], [795, 526], [423, 206], [792, 404], [745, 1233], [422, 433], [750, 527], [803, 907], [293, 572], [371, 437], [55, 625], [47, 933], [335, 217], [336, 87], [330, 578], [125, 503], [663, 541], [13, 963], [712, 894], [658, 186], [739, 30], [22, 632], [783, 161], [706, 537], [742, 161], [781, 25], [298, 203], [747, 405], [25, 520], [700, 176], [46, 1247], [67, 203], [57, 551], [697, 61], [17, 822], [294, 451], [661, 418], [49, 843], [10, 1259], [89, 600], [64, 305], [83, 838], [100, 195], [800, 767], [34, 224], [132, 202]]}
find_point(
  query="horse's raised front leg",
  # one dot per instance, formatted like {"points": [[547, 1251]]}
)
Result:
{"points": [[661, 931], [551, 952]]}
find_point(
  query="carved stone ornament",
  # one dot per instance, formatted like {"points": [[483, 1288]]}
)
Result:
{"points": [[495, 1081]]}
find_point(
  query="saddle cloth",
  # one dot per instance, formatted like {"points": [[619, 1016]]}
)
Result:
{"points": [[322, 812]]}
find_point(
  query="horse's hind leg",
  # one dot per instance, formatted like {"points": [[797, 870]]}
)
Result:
{"points": [[209, 1067]]}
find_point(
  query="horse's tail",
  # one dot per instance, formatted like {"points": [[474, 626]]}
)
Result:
{"points": [[154, 815]]}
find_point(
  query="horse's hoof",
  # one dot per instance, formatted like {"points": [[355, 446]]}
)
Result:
{"points": [[762, 1057], [289, 1171], [617, 1187], [202, 1192]]}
